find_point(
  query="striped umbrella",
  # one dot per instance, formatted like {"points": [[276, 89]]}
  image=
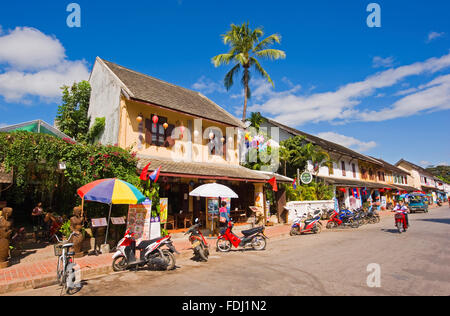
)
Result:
{"points": [[111, 191]]}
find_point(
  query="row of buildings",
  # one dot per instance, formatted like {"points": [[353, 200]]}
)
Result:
{"points": [[195, 141]]}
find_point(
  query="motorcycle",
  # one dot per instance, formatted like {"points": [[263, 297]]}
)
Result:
{"points": [[372, 216], [400, 222], [151, 253], [341, 220], [309, 225], [253, 237], [198, 241]]}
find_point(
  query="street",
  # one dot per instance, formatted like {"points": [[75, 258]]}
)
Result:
{"points": [[331, 263]]}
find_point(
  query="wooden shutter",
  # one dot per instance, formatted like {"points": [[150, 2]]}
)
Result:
{"points": [[148, 131]]}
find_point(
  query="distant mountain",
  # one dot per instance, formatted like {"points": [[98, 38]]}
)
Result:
{"points": [[442, 172]]}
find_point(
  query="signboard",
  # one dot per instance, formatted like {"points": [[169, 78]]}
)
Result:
{"points": [[213, 207], [139, 220], [118, 220], [306, 177], [163, 207], [99, 222]]}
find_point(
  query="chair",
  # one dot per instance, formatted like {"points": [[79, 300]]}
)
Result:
{"points": [[170, 221], [187, 219]]}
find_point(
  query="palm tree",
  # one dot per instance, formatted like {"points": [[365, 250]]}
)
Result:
{"points": [[317, 155], [256, 119], [245, 49]]}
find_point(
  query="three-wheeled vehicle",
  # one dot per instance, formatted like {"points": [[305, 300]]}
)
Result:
{"points": [[417, 202]]}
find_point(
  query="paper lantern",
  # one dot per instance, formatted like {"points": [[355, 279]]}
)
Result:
{"points": [[222, 139], [165, 125], [155, 119], [195, 133], [211, 135], [139, 118]]}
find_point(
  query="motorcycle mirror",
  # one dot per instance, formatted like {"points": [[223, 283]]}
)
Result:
{"points": [[196, 220]]}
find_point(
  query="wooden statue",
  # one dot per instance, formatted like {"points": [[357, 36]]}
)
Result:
{"points": [[76, 225], [5, 233]]}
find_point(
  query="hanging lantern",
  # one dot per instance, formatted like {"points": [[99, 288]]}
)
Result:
{"points": [[222, 139], [230, 139], [181, 131], [211, 135], [195, 133], [155, 120], [165, 125], [341, 189], [139, 118]]}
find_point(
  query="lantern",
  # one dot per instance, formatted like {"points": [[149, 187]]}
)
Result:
{"points": [[155, 120], [139, 118], [181, 130], [211, 135], [165, 125], [222, 139], [195, 133]]}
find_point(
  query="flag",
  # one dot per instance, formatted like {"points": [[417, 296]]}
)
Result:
{"points": [[155, 174], [144, 173], [294, 184], [273, 183]]}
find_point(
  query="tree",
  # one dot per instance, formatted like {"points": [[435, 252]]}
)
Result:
{"points": [[317, 156], [72, 116], [256, 119], [245, 49]]}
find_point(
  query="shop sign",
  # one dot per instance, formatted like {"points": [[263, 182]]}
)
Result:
{"points": [[306, 177], [163, 207]]}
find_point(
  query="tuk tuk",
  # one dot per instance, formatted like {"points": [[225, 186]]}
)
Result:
{"points": [[417, 202]]}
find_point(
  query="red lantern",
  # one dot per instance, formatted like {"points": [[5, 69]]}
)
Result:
{"points": [[155, 119], [181, 130], [342, 189]]}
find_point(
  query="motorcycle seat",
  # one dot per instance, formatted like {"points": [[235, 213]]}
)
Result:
{"points": [[145, 243], [252, 231]]}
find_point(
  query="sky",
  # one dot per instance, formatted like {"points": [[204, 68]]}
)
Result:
{"points": [[383, 91]]}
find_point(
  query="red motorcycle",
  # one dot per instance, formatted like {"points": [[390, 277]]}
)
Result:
{"points": [[253, 237], [198, 241], [335, 221], [400, 221]]}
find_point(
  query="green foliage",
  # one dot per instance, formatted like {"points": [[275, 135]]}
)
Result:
{"points": [[96, 130], [34, 158], [72, 116], [246, 49], [315, 191], [65, 229], [441, 172]]}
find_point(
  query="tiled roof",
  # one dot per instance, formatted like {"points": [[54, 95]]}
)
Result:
{"points": [[357, 183], [388, 166], [201, 170], [325, 144], [164, 94]]}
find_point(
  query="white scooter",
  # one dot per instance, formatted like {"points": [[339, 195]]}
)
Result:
{"points": [[151, 253]]}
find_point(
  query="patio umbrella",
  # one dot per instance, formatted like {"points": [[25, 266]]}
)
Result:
{"points": [[111, 191], [213, 190]]}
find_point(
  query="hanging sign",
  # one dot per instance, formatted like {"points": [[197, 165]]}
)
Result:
{"points": [[163, 204], [306, 177]]}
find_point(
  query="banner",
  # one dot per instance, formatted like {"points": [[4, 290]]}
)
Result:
{"points": [[163, 207]]}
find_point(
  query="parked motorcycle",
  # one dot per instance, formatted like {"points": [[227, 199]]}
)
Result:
{"points": [[253, 237], [400, 222], [341, 220], [152, 253], [301, 226], [198, 241]]}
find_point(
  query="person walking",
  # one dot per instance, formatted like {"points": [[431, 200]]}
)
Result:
{"points": [[37, 218]]}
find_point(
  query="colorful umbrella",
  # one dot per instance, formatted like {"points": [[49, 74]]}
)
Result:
{"points": [[111, 191]]}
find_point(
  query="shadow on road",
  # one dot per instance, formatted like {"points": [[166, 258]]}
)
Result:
{"points": [[436, 220], [393, 231]]}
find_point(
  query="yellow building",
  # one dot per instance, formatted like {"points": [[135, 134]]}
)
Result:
{"points": [[193, 139]]}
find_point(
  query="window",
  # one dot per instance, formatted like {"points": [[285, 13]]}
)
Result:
{"points": [[158, 132], [343, 168], [156, 135], [354, 170]]}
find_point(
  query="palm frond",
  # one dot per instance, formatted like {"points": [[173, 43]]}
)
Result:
{"points": [[254, 62], [268, 41], [272, 54], [228, 80], [222, 59]]}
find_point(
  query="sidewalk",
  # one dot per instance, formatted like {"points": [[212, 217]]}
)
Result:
{"points": [[43, 273]]}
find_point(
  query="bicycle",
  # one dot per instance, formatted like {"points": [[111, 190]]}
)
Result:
{"points": [[66, 274]]}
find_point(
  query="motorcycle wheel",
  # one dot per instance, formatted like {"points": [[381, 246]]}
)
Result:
{"points": [[119, 264], [354, 224], [259, 243], [170, 259], [318, 229], [223, 245], [293, 232], [399, 227], [331, 225], [202, 253]]}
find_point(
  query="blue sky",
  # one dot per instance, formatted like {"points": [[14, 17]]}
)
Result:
{"points": [[382, 91]]}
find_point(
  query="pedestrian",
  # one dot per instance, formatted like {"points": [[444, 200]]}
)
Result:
{"points": [[37, 218], [223, 215]]}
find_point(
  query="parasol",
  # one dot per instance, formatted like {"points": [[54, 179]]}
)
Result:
{"points": [[111, 191]]}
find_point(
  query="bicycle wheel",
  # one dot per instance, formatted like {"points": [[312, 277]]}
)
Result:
{"points": [[60, 271]]}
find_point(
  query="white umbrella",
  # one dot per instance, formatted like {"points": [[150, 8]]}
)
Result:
{"points": [[213, 190]]}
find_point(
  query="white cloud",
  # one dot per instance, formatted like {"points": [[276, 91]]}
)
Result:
{"points": [[340, 106], [379, 62], [434, 35], [347, 141], [35, 64], [425, 163], [206, 85]]}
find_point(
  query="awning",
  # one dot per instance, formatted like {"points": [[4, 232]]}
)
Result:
{"points": [[357, 183], [405, 188], [278, 177], [199, 170]]}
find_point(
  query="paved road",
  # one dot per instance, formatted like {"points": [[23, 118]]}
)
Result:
{"points": [[332, 263]]}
